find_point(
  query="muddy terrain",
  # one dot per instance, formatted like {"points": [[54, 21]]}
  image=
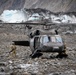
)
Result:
{"points": [[23, 64]]}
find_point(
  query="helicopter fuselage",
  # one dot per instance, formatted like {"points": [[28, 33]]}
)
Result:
{"points": [[47, 43]]}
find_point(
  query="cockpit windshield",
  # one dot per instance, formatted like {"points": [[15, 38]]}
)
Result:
{"points": [[47, 39], [56, 39]]}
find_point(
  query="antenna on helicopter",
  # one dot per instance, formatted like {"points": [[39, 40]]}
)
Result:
{"points": [[56, 32]]}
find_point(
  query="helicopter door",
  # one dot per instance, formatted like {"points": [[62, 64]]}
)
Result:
{"points": [[32, 44], [36, 42]]}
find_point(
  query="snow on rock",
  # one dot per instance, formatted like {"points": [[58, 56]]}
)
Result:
{"points": [[24, 65], [35, 16], [18, 16], [63, 18], [13, 16]]}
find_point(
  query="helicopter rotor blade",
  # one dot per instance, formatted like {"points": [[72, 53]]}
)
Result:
{"points": [[43, 23], [22, 43]]}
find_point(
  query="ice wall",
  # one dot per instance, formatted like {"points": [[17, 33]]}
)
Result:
{"points": [[63, 18], [13, 16], [18, 16]]}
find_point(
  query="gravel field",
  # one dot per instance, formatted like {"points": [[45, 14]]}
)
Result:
{"points": [[22, 64]]}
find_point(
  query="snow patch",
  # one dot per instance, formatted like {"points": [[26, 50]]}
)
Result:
{"points": [[18, 16], [13, 16], [63, 18]]}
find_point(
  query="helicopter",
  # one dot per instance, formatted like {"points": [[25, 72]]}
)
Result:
{"points": [[40, 43], [47, 43]]}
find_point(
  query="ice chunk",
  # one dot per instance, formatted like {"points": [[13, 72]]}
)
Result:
{"points": [[13, 16]]}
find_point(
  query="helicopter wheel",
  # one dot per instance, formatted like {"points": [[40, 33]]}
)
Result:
{"points": [[36, 55]]}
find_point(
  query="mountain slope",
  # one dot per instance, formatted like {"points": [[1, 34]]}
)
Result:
{"points": [[11, 4], [52, 5]]}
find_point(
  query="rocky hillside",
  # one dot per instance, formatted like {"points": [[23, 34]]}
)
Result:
{"points": [[52, 5], [11, 4]]}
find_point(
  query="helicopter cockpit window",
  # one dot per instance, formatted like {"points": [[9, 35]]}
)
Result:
{"points": [[46, 39], [56, 39], [53, 39]]}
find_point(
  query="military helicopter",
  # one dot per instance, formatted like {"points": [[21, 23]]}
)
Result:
{"points": [[40, 43]]}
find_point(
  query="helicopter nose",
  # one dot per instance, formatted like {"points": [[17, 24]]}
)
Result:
{"points": [[55, 48]]}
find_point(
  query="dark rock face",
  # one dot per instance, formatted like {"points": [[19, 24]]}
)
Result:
{"points": [[11, 4], [52, 5]]}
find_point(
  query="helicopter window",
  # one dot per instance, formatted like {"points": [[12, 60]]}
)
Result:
{"points": [[58, 39], [53, 39], [46, 39]]}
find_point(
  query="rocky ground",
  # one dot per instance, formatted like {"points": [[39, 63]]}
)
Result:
{"points": [[47, 64]]}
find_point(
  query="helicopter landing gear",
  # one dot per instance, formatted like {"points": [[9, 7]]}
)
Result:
{"points": [[62, 54], [35, 54]]}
